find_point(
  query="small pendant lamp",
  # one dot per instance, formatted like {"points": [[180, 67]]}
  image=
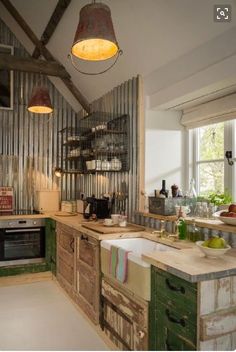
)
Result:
{"points": [[40, 102], [95, 38]]}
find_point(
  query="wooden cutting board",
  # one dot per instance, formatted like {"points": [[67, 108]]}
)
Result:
{"points": [[100, 228]]}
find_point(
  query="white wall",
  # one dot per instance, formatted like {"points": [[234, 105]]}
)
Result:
{"points": [[164, 150]]}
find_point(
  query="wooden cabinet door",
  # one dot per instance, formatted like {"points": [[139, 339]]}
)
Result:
{"points": [[66, 238], [124, 318], [65, 257], [88, 276], [89, 251]]}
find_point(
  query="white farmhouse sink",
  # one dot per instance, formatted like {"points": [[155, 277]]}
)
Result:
{"points": [[138, 280], [137, 247]]}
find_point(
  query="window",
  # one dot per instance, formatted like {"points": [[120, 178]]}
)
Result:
{"points": [[210, 168]]}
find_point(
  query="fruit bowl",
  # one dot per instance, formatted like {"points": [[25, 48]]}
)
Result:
{"points": [[212, 252], [226, 219]]}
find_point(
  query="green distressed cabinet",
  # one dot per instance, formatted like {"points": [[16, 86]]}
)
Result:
{"points": [[173, 313], [51, 248]]}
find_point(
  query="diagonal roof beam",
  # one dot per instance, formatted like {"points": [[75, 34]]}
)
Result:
{"points": [[25, 64], [45, 52], [52, 24]]}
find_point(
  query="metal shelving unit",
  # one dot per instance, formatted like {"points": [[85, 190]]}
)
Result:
{"points": [[99, 143]]}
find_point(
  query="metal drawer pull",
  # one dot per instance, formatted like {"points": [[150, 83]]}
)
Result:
{"points": [[174, 288], [84, 238], [174, 320], [141, 334], [72, 245]]}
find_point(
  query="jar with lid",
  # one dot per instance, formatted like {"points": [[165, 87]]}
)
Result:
{"points": [[106, 165]]}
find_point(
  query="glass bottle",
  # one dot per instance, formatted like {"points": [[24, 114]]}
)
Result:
{"points": [[194, 233], [163, 189], [192, 190], [205, 210], [182, 229]]}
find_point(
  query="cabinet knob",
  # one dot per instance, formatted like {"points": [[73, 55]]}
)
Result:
{"points": [[141, 334]]}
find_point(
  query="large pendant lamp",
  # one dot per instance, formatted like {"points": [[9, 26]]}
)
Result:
{"points": [[95, 38], [40, 102]]}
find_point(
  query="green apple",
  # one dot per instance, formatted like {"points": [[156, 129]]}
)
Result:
{"points": [[217, 243], [206, 243]]}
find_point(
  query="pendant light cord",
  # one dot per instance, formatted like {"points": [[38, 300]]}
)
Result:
{"points": [[119, 53]]}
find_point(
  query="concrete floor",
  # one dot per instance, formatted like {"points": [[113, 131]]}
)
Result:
{"points": [[39, 316]]}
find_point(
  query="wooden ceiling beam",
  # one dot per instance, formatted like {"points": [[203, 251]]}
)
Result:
{"points": [[49, 68], [45, 52], [52, 24]]}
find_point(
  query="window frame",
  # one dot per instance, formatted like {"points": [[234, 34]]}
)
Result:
{"points": [[229, 144]]}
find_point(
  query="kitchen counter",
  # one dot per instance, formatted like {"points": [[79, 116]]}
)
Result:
{"points": [[191, 265], [187, 263], [76, 222]]}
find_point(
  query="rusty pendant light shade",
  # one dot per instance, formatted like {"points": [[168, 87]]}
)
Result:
{"points": [[95, 38], [40, 102]]}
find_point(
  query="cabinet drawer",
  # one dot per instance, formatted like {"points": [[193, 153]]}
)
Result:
{"points": [[174, 291], [175, 342], [89, 251], [172, 321]]}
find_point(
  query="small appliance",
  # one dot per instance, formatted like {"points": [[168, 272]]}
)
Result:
{"points": [[97, 206]]}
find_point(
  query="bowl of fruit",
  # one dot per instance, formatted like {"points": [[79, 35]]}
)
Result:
{"points": [[214, 247], [227, 216]]}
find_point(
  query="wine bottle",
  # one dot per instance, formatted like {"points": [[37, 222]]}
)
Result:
{"points": [[163, 189]]}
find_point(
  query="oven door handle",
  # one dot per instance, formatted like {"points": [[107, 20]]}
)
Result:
{"points": [[23, 230]]}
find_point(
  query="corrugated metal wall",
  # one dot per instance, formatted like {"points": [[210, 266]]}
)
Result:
{"points": [[28, 142], [123, 99]]}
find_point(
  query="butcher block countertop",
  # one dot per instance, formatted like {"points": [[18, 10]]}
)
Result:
{"points": [[191, 265]]}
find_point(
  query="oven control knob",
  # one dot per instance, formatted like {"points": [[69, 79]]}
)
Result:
{"points": [[10, 223], [35, 222]]}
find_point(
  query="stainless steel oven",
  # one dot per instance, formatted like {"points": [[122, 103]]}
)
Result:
{"points": [[22, 241]]}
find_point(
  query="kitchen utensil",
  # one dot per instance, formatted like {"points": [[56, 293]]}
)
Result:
{"points": [[123, 196]]}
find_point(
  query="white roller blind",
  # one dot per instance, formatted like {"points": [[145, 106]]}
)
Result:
{"points": [[219, 110]]}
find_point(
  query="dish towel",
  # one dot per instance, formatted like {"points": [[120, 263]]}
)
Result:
{"points": [[118, 263], [113, 261], [122, 265]]}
